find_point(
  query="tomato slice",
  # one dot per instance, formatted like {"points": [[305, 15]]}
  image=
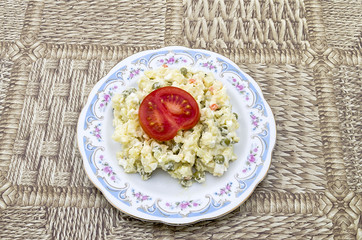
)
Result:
{"points": [[167, 110]]}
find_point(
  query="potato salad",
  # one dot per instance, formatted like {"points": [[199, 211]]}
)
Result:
{"points": [[206, 147]]}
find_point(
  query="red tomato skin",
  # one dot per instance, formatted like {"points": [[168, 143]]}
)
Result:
{"points": [[167, 133], [166, 110], [184, 121]]}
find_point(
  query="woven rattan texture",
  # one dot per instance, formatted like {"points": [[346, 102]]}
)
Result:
{"points": [[343, 22], [305, 55], [5, 68], [246, 24], [291, 92], [11, 19], [348, 87], [132, 23]]}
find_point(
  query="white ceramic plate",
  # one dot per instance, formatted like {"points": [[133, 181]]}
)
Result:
{"points": [[161, 198]]}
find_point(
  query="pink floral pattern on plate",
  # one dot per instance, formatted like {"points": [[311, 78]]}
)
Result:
{"points": [[251, 159], [106, 97], [134, 72], [225, 190], [209, 65], [107, 169], [240, 87], [172, 60], [255, 120], [97, 132], [140, 197], [182, 205]]}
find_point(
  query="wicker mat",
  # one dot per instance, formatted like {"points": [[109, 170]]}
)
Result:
{"points": [[305, 54]]}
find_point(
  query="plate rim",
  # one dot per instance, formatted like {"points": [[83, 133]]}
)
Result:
{"points": [[98, 185]]}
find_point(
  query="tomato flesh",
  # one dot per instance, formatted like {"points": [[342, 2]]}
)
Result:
{"points": [[167, 110]]}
